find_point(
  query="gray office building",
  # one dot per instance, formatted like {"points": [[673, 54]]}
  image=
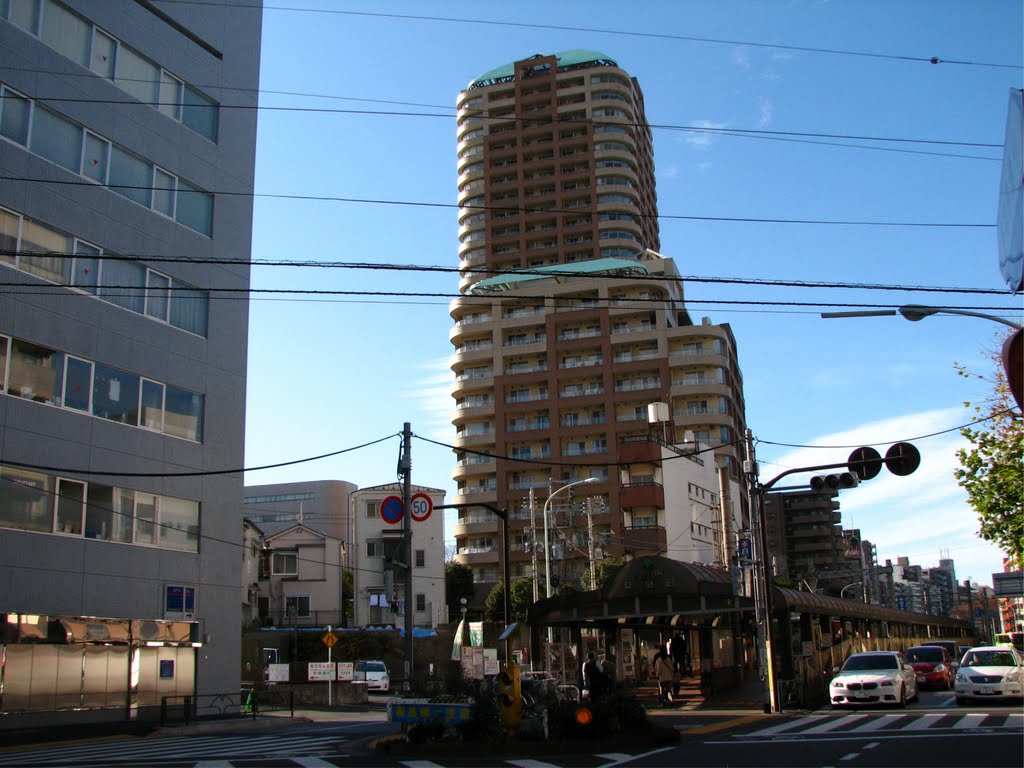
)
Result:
{"points": [[127, 154]]}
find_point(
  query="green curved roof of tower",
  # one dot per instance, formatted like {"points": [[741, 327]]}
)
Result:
{"points": [[565, 59], [606, 266]]}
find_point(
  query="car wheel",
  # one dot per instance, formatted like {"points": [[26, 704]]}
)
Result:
{"points": [[902, 703]]}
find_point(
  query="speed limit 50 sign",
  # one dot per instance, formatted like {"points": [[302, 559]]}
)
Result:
{"points": [[421, 505]]}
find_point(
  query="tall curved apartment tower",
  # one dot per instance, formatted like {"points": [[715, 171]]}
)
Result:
{"points": [[571, 324]]}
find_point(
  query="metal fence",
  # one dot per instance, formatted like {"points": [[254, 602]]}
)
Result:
{"points": [[248, 702]]}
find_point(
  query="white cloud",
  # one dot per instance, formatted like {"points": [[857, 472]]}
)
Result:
{"points": [[741, 57], [923, 516], [433, 391], [701, 139], [765, 118]]}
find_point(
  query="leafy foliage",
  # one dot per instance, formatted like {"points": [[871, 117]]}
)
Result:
{"points": [[458, 584], [606, 568], [992, 470], [521, 598]]}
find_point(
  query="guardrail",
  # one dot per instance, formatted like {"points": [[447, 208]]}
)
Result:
{"points": [[246, 703]]}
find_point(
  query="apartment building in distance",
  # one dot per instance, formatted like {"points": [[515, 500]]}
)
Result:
{"points": [[571, 322], [123, 381]]}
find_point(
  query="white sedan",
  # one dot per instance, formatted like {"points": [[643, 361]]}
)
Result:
{"points": [[990, 672], [874, 677]]}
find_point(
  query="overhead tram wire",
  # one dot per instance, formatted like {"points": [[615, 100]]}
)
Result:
{"points": [[615, 32]]}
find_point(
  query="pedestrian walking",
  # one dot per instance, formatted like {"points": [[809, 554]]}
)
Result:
{"points": [[665, 672]]}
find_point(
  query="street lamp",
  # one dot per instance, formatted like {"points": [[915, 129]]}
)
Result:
{"points": [[547, 553], [854, 584], [1013, 347], [915, 312]]}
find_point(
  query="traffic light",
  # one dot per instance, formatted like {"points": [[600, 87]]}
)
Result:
{"points": [[834, 482], [510, 698]]}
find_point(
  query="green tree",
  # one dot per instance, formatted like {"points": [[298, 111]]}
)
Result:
{"points": [[992, 469], [606, 568], [458, 584], [521, 600]]}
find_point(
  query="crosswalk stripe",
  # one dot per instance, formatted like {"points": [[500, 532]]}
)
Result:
{"points": [[970, 720], [877, 724], [831, 725], [419, 764], [314, 762], [531, 764], [176, 747], [923, 723], [786, 726]]}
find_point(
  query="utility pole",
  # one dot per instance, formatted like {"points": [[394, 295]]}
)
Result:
{"points": [[533, 546], [590, 538], [762, 584], [405, 469]]}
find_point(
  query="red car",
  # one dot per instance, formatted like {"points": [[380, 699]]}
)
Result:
{"points": [[932, 665]]}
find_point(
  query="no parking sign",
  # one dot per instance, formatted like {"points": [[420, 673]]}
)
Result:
{"points": [[391, 510]]}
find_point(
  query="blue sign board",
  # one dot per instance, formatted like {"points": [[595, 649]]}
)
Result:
{"points": [[745, 548]]}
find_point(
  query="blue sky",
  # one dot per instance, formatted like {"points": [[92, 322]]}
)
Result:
{"points": [[358, 103]]}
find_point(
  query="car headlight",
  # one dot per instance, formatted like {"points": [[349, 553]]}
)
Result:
{"points": [[939, 668], [1014, 675], [961, 678], [838, 684], [887, 682]]}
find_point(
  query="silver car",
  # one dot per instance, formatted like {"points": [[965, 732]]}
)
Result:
{"points": [[991, 673], [874, 677]]}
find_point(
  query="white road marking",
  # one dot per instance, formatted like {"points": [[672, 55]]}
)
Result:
{"points": [[834, 723]]}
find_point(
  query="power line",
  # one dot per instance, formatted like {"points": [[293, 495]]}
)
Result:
{"points": [[802, 137], [245, 293], [1009, 411], [615, 32], [372, 266], [515, 209], [203, 473]]}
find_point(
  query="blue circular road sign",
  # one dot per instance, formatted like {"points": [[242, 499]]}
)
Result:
{"points": [[391, 510]]}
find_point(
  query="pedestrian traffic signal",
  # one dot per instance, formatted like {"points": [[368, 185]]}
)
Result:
{"points": [[510, 697], [834, 482]]}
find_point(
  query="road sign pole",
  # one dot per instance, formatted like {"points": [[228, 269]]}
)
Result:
{"points": [[405, 466]]}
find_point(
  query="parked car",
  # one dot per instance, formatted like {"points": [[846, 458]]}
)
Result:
{"points": [[932, 665], [952, 647], [990, 672], [874, 677], [374, 673]]}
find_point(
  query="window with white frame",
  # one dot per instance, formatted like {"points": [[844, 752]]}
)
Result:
{"points": [[284, 564], [53, 136], [375, 548], [89, 46]]}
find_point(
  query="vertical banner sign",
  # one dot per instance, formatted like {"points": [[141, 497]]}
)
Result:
{"points": [[1010, 215], [457, 642], [476, 633]]}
